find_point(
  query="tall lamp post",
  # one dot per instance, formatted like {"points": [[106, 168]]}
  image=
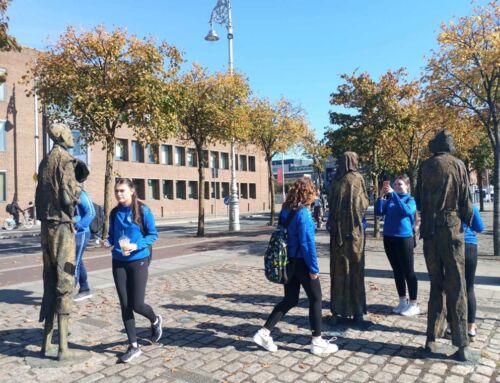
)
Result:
{"points": [[221, 14]]}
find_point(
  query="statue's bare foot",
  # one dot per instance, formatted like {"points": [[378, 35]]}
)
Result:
{"points": [[49, 350], [464, 354], [69, 355], [430, 346], [358, 319]]}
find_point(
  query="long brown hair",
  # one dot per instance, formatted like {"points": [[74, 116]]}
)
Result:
{"points": [[302, 193], [136, 204]]}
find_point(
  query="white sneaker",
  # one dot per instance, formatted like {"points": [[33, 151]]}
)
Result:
{"points": [[403, 305], [264, 340], [411, 310], [323, 347]]}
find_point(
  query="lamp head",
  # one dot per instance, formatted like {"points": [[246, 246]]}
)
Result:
{"points": [[212, 35]]}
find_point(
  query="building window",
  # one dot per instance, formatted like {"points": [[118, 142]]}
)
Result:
{"points": [[2, 86], [3, 186], [152, 154], [251, 163], [166, 154], [215, 191], [180, 189], [243, 163], [214, 160], [137, 152], [224, 160], [168, 189], [225, 189], [3, 136], [153, 189], [253, 191], [205, 158], [192, 158], [206, 192], [244, 191], [121, 150], [139, 187], [193, 190], [180, 156], [236, 162]]}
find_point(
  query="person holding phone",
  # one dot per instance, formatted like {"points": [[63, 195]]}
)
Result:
{"points": [[399, 209], [131, 232]]}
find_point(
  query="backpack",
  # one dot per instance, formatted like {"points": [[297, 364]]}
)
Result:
{"points": [[275, 257], [97, 222], [112, 216], [8, 208]]}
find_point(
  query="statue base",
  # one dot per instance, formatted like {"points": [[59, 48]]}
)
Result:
{"points": [[440, 352], [50, 359]]}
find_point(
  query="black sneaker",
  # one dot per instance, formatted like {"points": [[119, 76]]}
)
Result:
{"points": [[82, 295], [132, 353], [156, 329]]}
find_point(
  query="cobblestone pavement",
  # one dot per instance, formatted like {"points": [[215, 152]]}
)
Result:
{"points": [[212, 309]]}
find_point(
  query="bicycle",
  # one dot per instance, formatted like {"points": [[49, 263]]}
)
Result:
{"points": [[25, 221]]}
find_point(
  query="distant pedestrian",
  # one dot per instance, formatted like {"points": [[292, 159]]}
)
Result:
{"points": [[132, 231], [302, 270], [318, 210], [470, 240], [84, 215], [399, 209]]}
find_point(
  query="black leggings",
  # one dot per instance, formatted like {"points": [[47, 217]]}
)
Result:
{"points": [[400, 254], [130, 281], [300, 276], [470, 275]]}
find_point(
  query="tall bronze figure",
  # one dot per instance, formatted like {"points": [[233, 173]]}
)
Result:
{"points": [[57, 193], [443, 199], [348, 203]]}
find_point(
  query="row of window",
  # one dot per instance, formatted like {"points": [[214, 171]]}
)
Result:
{"points": [[3, 187], [179, 156], [181, 189]]}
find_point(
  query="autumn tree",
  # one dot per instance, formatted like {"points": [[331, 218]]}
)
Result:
{"points": [[210, 108], [318, 152], [275, 128], [99, 81], [7, 42], [373, 111], [481, 158], [464, 73]]}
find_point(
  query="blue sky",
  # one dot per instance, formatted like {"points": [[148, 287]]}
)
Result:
{"points": [[291, 48]]}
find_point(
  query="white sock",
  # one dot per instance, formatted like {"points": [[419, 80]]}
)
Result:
{"points": [[403, 299], [156, 321], [317, 338], [134, 344], [264, 331]]}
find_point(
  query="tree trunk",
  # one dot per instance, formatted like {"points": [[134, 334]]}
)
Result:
{"points": [[271, 188], [108, 183], [480, 187], [201, 192], [496, 199], [413, 179], [376, 221]]}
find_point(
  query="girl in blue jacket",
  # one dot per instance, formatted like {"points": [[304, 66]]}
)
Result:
{"points": [[302, 270], [399, 209], [131, 233]]}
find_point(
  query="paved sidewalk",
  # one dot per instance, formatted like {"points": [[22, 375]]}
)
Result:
{"points": [[213, 302]]}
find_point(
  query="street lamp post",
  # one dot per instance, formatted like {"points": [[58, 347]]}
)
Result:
{"points": [[221, 14]]}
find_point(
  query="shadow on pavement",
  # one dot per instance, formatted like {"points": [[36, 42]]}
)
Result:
{"points": [[19, 297]]}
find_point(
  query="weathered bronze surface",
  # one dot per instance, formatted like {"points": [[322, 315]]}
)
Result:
{"points": [[443, 199], [57, 194], [348, 203]]}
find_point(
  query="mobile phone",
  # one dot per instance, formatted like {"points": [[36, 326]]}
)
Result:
{"points": [[387, 183]]}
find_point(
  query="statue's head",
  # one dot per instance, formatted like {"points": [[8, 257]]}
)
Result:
{"points": [[442, 143], [81, 171], [346, 163], [61, 134]]}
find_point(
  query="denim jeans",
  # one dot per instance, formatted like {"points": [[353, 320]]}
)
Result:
{"points": [[82, 240]]}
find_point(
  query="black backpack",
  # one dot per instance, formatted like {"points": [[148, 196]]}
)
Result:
{"points": [[112, 216]]}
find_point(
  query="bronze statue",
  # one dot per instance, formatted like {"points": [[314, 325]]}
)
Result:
{"points": [[57, 194], [443, 199], [348, 203]]}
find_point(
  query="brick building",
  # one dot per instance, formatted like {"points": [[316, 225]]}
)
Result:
{"points": [[165, 175]]}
